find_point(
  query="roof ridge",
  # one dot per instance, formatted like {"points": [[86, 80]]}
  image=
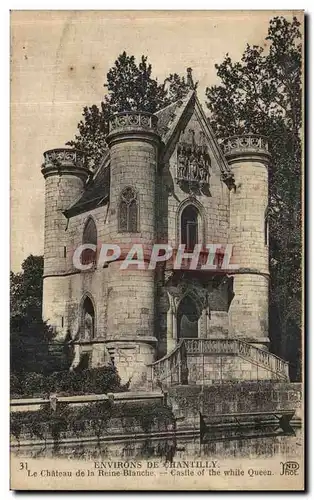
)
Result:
{"points": [[181, 101]]}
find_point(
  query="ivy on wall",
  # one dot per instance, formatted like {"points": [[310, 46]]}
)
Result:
{"points": [[93, 418], [66, 383]]}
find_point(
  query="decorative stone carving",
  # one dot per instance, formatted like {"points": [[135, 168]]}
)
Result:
{"points": [[193, 163], [64, 156], [247, 142], [133, 119], [188, 287]]}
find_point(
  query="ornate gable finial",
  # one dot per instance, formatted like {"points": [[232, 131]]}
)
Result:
{"points": [[189, 78]]}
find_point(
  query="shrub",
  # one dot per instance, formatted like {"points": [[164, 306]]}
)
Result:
{"points": [[89, 381], [33, 383], [49, 424], [15, 385]]}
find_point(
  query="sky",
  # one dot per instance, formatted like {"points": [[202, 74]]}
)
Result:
{"points": [[59, 60]]}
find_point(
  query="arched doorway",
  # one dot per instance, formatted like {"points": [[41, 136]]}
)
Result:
{"points": [[187, 318], [88, 320]]}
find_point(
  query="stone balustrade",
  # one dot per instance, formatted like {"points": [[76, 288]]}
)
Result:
{"points": [[171, 369], [128, 120], [64, 157], [245, 143], [239, 347]]}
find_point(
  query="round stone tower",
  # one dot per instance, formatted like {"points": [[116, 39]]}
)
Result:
{"points": [[133, 141], [248, 157], [65, 173]]}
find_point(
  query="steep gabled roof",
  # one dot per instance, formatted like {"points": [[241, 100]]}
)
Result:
{"points": [[170, 120], [170, 116], [166, 116], [96, 191]]}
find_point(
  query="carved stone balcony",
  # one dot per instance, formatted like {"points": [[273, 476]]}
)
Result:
{"points": [[246, 145], [65, 161]]}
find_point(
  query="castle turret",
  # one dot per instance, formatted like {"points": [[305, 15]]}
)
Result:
{"points": [[133, 141], [248, 157], [65, 173]]}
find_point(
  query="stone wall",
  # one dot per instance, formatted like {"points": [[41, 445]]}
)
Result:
{"points": [[214, 203], [60, 192], [215, 368], [131, 292], [248, 207], [213, 228], [64, 291], [234, 397]]}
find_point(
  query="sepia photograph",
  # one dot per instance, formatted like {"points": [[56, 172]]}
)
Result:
{"points": [[156, 282]]}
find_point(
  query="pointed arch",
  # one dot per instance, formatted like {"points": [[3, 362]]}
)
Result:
{"points": [[128, 211], [88, 318], [190, 222], [188, 315], [89, 236]]}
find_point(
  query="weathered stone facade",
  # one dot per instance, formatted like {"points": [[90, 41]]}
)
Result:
{"points": [[164, 179]]}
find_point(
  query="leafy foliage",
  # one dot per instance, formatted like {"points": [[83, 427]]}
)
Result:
{"points": [[92, 418], [262, 94], [130, 87], [66, 383], [31, 338]]}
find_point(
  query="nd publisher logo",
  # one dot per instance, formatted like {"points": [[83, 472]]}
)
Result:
{"points": [[289, 468]]}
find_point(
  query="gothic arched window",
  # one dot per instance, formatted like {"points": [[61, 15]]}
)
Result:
{"points": [[88, 320], [189, 227], [89, 236], [187, 318], [128, 211]]}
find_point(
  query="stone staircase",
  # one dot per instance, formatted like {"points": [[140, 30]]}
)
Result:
{"points": [[207, 361]]}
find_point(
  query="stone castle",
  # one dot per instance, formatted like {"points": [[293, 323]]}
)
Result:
{"points": [[164, 179]]}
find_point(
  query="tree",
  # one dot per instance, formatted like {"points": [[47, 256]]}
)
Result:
{"points": [[31, 338], [262, 94], [130, 87]]}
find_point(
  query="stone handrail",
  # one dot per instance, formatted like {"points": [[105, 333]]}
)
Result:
{"points": [[171, 369], [64, 156], [133, 119], [235, 346], [245, 142], [34, 404]]}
